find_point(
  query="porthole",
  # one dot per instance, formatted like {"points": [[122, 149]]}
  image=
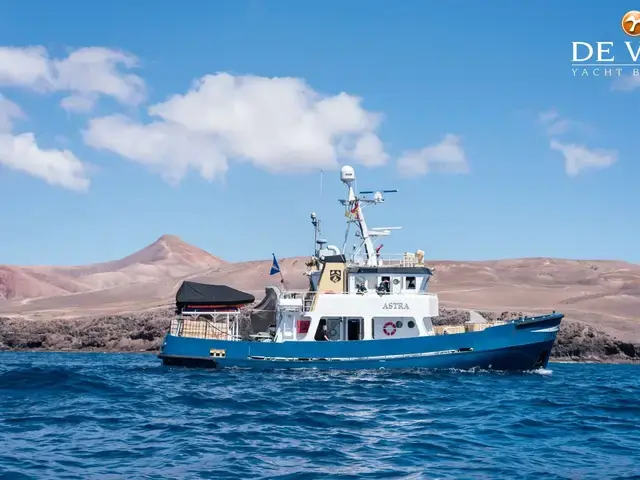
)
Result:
{"points": [[399, 324], [411, 324]]}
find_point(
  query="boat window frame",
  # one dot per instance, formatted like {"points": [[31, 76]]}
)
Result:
{"points": [[346, 329], [403, 320]]}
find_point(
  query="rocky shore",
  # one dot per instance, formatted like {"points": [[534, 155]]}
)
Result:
{"points": [[143, 332]]}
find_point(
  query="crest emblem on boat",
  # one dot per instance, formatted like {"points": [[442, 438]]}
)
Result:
{"points": [[335, 275]]}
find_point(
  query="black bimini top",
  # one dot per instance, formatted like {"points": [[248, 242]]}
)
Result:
{"points": [[193, 293], [391, 270]]}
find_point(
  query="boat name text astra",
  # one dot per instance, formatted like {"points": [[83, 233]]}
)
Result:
{"points": [[395, 306]]}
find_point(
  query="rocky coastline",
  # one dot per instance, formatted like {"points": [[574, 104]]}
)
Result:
{"points": [[143, 332]]}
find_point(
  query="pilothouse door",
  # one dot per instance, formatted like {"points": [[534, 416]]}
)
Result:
{"points": [[354, 329]]}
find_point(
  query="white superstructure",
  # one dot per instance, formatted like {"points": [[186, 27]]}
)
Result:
{"points": [[365, 297]]}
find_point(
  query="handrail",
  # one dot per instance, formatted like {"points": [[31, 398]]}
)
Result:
{"points": [[223, 326], [202, 313], [406, 259], [300, 293]]}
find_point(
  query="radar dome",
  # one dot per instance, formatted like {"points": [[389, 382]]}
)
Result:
{"points": [[347, 174]]}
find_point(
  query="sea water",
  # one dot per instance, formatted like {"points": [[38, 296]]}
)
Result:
{"points": [[67, 415]]}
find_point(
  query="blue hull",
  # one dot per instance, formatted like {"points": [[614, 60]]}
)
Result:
{"points": [[524, 344]]}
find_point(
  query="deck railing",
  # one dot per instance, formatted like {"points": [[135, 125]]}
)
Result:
{"points": [[213, 326], [303, 293], [389, 260]]}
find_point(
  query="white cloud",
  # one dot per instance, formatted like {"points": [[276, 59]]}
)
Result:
{"points": [[369, 150], [8, 111], [277, 124], [86, 73], [167, 148], [22, 153], [91, 71], [579, 157], [79, 103], [626, 83], [576, 157], [27, 66], [555, 125], [446, 156], [56, 167]]}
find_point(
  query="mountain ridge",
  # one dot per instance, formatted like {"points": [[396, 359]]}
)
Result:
{"points": [[169, 255]]}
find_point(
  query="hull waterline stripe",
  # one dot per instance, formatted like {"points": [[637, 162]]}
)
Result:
{"points": [[355, 359]]}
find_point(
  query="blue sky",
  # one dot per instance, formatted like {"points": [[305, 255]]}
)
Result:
{"points": [[496, 190]]}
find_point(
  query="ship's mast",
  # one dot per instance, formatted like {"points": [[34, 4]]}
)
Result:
{"points": [[353, 203]]}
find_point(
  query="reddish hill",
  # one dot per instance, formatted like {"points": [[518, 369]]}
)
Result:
{"points": [[167, 257]]}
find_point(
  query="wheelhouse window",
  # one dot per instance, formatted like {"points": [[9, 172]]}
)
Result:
{"points": [[385, 285], [360, 284], [411, 283], [330, 328]]}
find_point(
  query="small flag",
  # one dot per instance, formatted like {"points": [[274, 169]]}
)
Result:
{"points": [[355, 208], [275, 268]]}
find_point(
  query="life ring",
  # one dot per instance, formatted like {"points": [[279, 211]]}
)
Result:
{"points": [[333, 332], [389, 328]]}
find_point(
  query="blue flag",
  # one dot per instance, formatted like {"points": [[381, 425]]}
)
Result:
{"points": [[275, 268]]}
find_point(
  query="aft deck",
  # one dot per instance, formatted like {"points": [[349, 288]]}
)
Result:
{"points": [[207, 325]]}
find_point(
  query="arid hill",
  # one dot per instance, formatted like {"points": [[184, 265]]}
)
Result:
{"points": [[167, 258], [605, 294]]}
